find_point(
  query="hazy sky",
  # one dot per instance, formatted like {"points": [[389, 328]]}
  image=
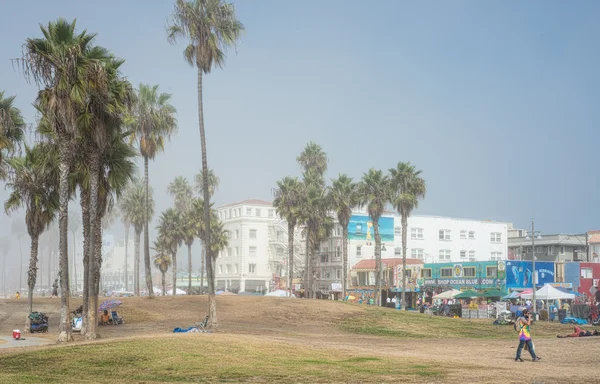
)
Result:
{"points": [[497, 104]]}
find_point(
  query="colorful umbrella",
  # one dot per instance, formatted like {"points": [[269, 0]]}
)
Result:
{"points": [[108, 305]]}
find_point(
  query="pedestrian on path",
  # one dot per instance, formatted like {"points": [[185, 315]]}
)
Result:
{"points": [[523, 327]]}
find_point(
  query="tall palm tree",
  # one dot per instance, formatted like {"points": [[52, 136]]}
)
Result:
{"points": [[133, 207], [67, 66], [155, 122], [162, 261], [210, 26], [182, 193], [343, 198], [287, 205], [34, 186], [74, 226], [313, 161], [374, 191], [127, 227], [212, 187], [11, 129], [172, 234], [191, 225], [407, 187]]}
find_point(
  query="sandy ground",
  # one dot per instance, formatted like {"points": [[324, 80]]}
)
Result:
{"points": [[315, 323]]}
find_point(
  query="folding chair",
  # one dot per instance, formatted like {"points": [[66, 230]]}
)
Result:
{"points": [[115, 318], [203, 324]]}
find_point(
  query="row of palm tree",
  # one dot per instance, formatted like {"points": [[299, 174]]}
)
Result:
{"points": [[310, 203]]}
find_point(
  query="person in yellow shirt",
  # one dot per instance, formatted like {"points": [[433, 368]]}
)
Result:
{"points": [[18, 295], [105, 318]]}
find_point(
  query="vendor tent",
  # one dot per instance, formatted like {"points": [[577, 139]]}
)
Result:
{"points": [[177, 292], [548, 292], [467, 295], [492, 293], [447, 294], [512, 295]]}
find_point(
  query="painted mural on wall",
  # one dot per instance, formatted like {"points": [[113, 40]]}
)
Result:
{"points": [[360, 228], [412, 278], [519, 274]]}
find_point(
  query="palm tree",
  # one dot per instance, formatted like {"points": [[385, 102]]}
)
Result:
{"points": [[374, 191], [34, 186], [343, 198], [11, 129], [162, 261], [66, 65], [19, 230], [155, 122], [171, 233], [211, 27], [191, 225], [127, 227], [407, 187], [213, 182], [212, 185], [287, 205], [182, 193], [313, 161], [133, 207]]}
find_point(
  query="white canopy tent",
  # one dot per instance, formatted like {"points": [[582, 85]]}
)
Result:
{"points": [[548, 292], [447, 295]]}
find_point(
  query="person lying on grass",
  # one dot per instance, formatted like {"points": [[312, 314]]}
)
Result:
{"points": [[578, 332]]}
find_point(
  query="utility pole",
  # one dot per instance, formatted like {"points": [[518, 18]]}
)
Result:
{"points": [[533, 266]]}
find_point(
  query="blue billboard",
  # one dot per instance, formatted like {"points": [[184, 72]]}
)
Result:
{"points": [[361, 228], [519, 274]]}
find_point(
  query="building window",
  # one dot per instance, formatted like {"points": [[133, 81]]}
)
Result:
{"points": [[257, 212], [252, 234], [398, 231], [229, 252], [270, 213], [586, 273], [463, 255], [339, 230], [469, 272], [471, 255], [237, 234], [398, 252], [562, 250], [463, 234], [227, 269], [358, 251], [426, 273], [538, 250], [252, 252], [324, 258], [251, 268], [496, 256], [236, 269], [220, 269], [444, 254], [471, 235], [338, 253], [416, 233], [239, 212], [338, 274], [237, 252], [408, 273], [248, 211], [445, 272], [550, 250], [491, 272], [444, 234], [496, 237], [416, 253]]}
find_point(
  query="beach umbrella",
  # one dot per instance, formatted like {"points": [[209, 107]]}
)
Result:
{"points": [[467, 295], [108, 305]]}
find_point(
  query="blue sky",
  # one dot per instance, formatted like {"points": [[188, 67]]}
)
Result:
{"points": [[497, 102]]}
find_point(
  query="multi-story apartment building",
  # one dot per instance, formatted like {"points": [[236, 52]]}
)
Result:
{"points": [[556, 247], [256, 257], [431, 239]]}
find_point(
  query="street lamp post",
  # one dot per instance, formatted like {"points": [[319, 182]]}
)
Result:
{"points": [[533, 234]]}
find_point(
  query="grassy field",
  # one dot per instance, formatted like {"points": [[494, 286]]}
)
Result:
{"points": [[205, 358], [400, 324]]}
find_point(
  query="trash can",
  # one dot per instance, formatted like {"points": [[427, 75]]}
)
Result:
{"points": [[562, 313]]}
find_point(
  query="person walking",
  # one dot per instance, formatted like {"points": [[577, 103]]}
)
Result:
{"points": [[523, 324]]}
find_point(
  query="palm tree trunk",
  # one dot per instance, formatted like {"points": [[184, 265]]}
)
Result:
{"points": [[32, 273], [63, 193], [74, 265], [212, 303], [136, 264], [94, 164], [189, 269], [290, 257], [20, 265], [85, 222], [146, 236], [307, 266], [164, 283], [377, 262], [202, 258], [174, 273], [97, 263], [126, 254], [404, 233], [345, 260]]}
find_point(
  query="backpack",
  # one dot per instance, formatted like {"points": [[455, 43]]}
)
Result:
{"points": [[517, 325]]}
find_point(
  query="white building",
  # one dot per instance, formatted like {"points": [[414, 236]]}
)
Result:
{"points": [[255, 259], [113, 266]]}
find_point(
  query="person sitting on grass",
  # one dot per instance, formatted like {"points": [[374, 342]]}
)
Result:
{"points": [[105, 318]]}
